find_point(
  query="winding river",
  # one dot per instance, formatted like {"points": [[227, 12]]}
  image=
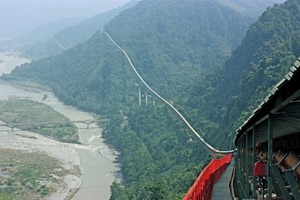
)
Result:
{"points": [[95, 159]]}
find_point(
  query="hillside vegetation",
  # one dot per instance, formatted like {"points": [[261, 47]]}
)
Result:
{"points": [[191, 52], [171, 53], [229, 94]]}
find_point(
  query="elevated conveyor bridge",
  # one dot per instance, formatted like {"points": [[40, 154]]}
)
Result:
{"points": [[207, 146], [275, 123], [202, 188]]}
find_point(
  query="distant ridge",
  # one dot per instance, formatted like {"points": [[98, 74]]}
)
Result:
{"points": [[252, 8], [40, 43], [208, 60]]}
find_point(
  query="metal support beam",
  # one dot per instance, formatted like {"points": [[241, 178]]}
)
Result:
{"points": [[247, 165], [253, 161], [280, 182], [244, 176], [146, 98], [270, 154], [290, 177], [239, 168], [140, 96]]}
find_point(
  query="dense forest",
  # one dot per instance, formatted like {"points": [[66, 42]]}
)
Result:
{"points": [[210, 61], [169, 53], [266, 53]]}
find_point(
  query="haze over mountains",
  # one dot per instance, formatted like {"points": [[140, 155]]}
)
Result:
{"points": [[212, 62], [54, 37], [37, 44], [19, 17], [250, 8]]}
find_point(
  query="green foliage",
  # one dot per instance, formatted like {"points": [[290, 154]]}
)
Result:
{"points": [[265, 55], [170, 52], [181, 48], [178, 48], [151, 149], [66, 37]]}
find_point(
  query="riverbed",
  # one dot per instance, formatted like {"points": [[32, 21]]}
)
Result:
{"points": [[94, 158]]}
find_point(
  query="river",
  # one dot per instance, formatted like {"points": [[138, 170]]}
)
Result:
{"points": [[96, 160]]}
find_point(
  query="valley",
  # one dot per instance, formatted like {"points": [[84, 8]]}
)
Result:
{"points": [[214, 61]]}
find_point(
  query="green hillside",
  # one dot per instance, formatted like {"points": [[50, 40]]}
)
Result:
{"points": [[253, 8], [44, 32], [190, 52], [265, 55], [73, 35], [171, 53]]}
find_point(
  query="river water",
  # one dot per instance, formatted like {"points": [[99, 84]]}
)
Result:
{"points": [[96, 160]]}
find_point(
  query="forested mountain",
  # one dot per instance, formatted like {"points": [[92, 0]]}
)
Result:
{"points": [[252, 8], [45, 32], [170, 53], [190, 52], [73, 35], [37, 35], [270, 47], [42, 42]]}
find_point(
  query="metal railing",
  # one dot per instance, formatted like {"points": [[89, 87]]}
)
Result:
{"points": [[203, 186]]}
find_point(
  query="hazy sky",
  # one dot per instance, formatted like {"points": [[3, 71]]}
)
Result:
{"points": [[19, 16]]}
